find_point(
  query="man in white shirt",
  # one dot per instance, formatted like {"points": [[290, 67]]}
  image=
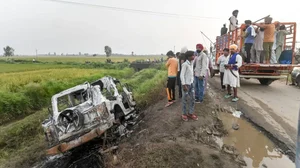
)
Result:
{"points": [[231, 74], [187, 79], [222, 61], [233, 20]]}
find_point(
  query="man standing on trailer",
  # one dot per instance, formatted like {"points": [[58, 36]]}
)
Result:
{"points": [[249, 39], [200, 64], [269, 30], [224, 30], [231, 74], [280, 40], [222, 61], [233, 22], [258, 46], [172, 65]]}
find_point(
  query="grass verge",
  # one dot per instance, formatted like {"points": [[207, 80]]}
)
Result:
{"points": [[22, 142]]}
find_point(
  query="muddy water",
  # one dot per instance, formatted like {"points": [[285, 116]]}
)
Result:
{"points": [[257, 149]]}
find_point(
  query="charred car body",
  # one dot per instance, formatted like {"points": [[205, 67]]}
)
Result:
{"points": [[86, 111]]}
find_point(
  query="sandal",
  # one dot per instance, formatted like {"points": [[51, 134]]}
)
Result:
{"points": [[169, 104], [184, 117], [227, 96], [235, 99], [193, 117]]}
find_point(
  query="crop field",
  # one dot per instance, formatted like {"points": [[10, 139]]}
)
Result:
{"points": [[82, 59], [25, 94], [28, 67]]}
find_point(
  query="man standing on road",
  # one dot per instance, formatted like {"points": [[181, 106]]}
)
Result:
{"points": [[222, 61], [200, 73], [187, 79], [172, 65], [208, 70], [181, 60], [249, 39], [231, 74]]}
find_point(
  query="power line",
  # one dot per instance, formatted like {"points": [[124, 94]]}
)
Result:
{"points": [[134, 10]]}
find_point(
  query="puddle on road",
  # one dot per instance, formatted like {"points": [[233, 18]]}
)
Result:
{"points": [[256, 148]]}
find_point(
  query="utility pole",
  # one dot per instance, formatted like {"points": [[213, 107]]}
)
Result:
{"points": [[36, 53]]}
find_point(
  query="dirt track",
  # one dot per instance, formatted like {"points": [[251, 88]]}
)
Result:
{"points": [[274, 108], [164, 140]]}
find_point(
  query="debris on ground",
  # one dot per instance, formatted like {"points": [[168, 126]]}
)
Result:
{"points": [[165, 141], [235, 126], [237, 114]]}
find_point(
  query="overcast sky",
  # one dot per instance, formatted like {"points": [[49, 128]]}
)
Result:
{"points": [[50, 26]]}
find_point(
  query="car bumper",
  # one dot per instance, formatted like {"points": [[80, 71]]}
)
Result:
{"points": [[65, 146]]}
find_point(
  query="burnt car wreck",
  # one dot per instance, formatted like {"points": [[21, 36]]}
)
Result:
{"points": [[87, 111]]}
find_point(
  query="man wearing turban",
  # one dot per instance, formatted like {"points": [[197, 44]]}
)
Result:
{"points": [[231, 74], [200, 64]]}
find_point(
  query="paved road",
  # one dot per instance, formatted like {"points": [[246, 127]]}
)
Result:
{"points": [[274, 107]]}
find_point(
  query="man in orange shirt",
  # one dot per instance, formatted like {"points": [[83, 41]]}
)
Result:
{"points": [[268, 37], [172, 65]]}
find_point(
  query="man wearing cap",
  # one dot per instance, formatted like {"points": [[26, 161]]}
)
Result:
{"points": [[201, 63], [231, 74]]}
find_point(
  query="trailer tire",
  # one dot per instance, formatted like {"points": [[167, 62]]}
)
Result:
{"points": [[266, 81], [297, 80]]}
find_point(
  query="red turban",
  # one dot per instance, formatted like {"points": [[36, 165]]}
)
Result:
{"points": [[199, 46]]}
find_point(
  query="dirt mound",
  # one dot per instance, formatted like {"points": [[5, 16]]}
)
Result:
{"points": [[162, 139]]}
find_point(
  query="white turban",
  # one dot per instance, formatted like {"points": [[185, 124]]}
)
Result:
{"points": [[184, 49]]}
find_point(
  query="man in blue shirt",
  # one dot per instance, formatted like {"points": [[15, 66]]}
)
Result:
{"points": [[249, 39]]}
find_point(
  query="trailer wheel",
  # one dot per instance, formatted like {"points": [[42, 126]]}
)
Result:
{"points": [[298, 80], [266, 81]]}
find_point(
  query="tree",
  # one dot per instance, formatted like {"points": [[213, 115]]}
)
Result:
{"points": [[108, 51], [8, 51]]}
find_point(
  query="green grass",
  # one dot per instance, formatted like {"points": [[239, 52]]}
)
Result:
{"points": [[28, 67], [22, 142], [24, 92], [81, 59]]}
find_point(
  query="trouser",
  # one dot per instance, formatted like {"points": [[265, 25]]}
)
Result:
{"points": [[185, 94], [205, 82], [268, 50], [222, 76], [248, 51], [278, 52], [199, 88], [258, 56], [179, 84], [171, 89]]}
